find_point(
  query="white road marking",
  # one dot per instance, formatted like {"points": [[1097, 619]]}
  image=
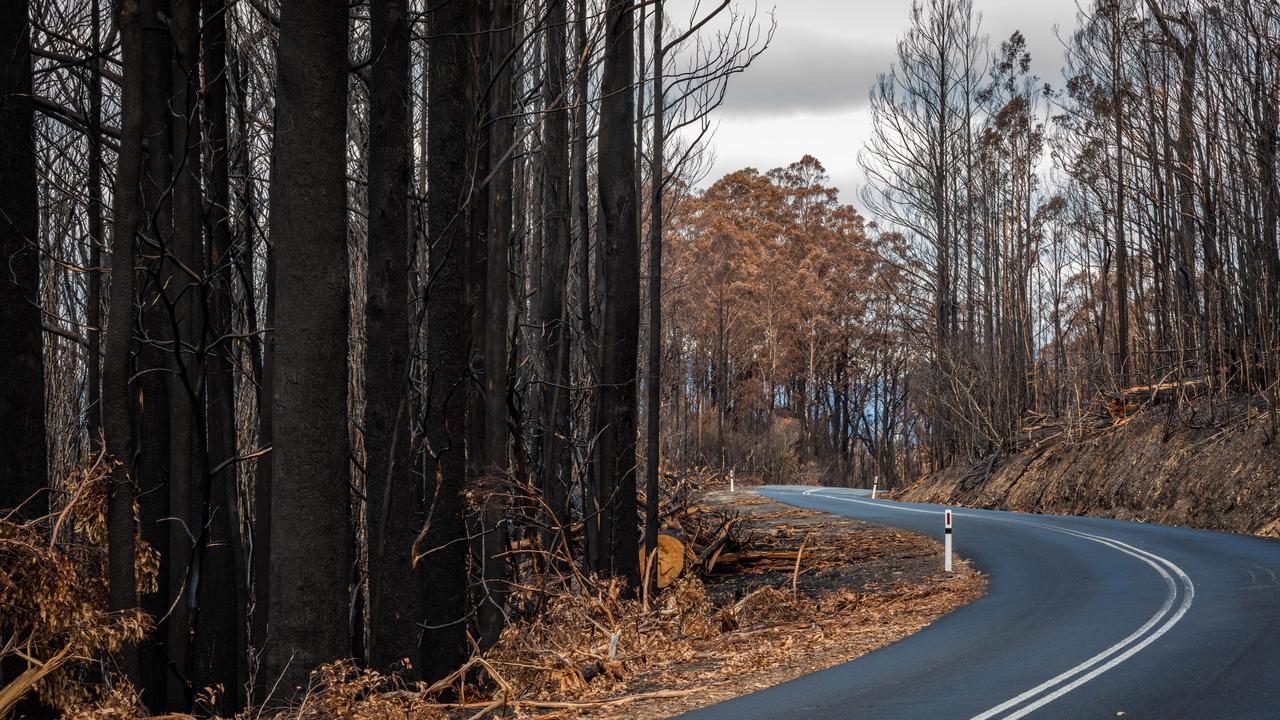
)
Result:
{"points": [[1117, 650]]}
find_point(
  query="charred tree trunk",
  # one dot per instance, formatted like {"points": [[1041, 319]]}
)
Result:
{"points": [[163, 684], [261, 344], [444, 642], [221, 647], [1121, 367], [497, 307], [178, 260], [23, 466], [395, 504], [582, 211], [117, 414], [555, 470], [24, 478], [653, 403], [93, 313], [621, 324], [311, 549]]}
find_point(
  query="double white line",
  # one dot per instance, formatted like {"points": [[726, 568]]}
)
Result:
{"points": [[1160, 623]]}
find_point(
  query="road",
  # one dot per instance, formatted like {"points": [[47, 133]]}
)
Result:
{"points": [[1083, 618]]}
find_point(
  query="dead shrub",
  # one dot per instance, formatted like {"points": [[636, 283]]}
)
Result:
{"points": [[53, 601]]}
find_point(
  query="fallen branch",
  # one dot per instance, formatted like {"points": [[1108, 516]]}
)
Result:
{"points": [[487, 706], [795, 574]]}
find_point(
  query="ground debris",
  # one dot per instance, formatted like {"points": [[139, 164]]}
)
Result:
{"points": [[792, 591], [782, 592]]}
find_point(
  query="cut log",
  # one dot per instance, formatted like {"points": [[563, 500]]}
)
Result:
{"points": [[671, 554]]}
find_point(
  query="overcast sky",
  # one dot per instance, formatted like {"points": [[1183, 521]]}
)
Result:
{"points": [[808, 92]]}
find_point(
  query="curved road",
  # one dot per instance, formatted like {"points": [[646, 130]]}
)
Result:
{"points": [[1083, 618]]}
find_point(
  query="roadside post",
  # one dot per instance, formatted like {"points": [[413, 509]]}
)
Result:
{"points": [[947, 542], [730, 479], [875, 484]]}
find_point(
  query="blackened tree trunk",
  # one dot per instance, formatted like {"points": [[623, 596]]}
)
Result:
{"points": [[310, 495], [621, 323], [653, 402], [180, 258], [556, 469], [478, 211], [1121, 362], [116, 414], [444, 642], [23, 466], [395, 504], [582, 212], [497, 307], [93, 313], [23, 463], [220, 653], [1188, 291], [261, 342], [161, 686]]}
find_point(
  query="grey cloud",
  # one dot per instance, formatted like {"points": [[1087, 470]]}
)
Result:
{"points": [[804, 71]]}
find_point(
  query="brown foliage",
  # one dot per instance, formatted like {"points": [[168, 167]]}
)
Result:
{"points": [[53, 599], [769, 308]]}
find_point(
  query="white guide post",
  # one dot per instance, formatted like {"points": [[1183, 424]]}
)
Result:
{"points": [[730, 479], [947, 542], [875, 483]]}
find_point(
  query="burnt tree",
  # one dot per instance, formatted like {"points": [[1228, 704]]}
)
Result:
{"points": [[311, 549], [616, 403]]}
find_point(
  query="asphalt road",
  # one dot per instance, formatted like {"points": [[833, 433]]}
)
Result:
{"points": [[1083, 618]]}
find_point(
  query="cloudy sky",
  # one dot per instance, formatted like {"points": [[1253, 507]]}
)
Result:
{"points": [[809, 92]]}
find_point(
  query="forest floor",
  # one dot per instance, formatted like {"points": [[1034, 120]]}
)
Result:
{"points": [[769, 592], [858, 587], [1208, 463], [753, 618]]}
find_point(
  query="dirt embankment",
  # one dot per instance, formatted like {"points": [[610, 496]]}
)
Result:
{"points": [[1216, 468]]}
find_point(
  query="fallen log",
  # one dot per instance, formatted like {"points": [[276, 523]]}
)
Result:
{"points": [[549, 704], [744, 560], [711, 554], [1131, 399]]}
